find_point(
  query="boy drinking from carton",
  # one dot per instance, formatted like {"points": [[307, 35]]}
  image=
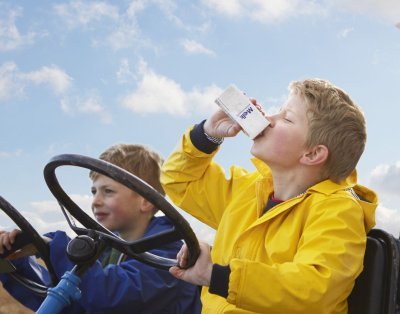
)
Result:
{"points": [[291, 235], [117, 283]]}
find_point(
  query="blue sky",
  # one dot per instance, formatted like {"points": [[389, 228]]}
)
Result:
{"points": [[79, 76]]}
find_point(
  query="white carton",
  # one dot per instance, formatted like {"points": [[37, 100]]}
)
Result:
{"points": [[240, 109]]}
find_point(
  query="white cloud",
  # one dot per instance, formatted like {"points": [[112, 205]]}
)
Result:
{"points": [[53, 76], [91, 104], [123, 31], [125, 35], [14, 154], [156, 93], [13, 81], [277, 10], [42, 224], [65, 105], [387, 9], [344, 33], [46, 215], [386, 178], [82, 13], [135, 7], [124, 73], [52, 206], [10, 85], [46, 207], [265, 11], [10, 37], [388, 220], [202, 100], [193, 47], [226, 7]]}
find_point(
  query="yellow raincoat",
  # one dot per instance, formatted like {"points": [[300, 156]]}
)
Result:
{"points": [[302, 256]]}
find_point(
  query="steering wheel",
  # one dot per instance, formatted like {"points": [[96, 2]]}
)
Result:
{"points": [[181, 229], [28, 235]]}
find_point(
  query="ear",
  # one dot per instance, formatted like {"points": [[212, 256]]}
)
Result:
{"points": [[146, 206], [317, 155]]}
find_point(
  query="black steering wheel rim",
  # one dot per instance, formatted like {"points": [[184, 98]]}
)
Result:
{"points": [[137, 249], [30, 236]]}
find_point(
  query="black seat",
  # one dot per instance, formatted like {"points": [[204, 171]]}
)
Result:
{"points": [[375, 290]]}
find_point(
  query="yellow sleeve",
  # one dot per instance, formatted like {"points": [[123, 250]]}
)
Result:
{"points": [[197, 184]]}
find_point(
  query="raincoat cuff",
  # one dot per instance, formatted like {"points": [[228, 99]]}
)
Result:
{"points": [[219, 283], [200, 140]]}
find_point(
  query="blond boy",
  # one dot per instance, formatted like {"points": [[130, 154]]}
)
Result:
{"points": [[291, 235]]}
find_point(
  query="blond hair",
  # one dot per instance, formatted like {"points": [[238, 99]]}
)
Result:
{"points": [[137, 159], [334, 121]]}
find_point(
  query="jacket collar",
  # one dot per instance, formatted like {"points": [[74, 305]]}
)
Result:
{"points": [[368, 202], [326, 187]]}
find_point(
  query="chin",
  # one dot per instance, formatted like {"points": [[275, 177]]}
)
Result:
{"points": [[107, 226], [253, 150]]}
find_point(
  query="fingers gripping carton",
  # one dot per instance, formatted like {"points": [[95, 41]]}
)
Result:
{"points": [[240, 109]]}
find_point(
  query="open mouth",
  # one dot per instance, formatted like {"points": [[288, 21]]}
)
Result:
{"points": [[100, 216]]}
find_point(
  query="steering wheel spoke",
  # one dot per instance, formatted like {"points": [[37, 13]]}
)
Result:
{"points": [[155, 241]]}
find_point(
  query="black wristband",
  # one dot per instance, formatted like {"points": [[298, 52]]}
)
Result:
{"points": [[219, 282]]}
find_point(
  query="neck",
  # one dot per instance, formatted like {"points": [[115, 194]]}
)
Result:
{"points": [[134, 234], [292, 185]]}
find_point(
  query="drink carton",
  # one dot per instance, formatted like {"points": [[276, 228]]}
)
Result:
{"points": [[240, 109]]}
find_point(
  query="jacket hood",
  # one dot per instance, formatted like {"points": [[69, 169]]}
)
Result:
{"points": [[366, 198], [160, 224]]}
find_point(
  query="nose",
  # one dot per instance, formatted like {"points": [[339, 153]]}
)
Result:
{"points": [[272, 119], [97, 200]]}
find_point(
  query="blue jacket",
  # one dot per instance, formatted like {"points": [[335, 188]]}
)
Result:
{"points": [[130, 286]]}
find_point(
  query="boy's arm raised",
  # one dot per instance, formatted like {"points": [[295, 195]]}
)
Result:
{"points": [[193, 181]]}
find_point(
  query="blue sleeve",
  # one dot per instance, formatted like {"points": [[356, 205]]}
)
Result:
{"points": [[129, 286], [58, 257], [126, 287]]}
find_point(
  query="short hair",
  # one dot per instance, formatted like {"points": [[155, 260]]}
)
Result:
{"points": [[334, 121], [137, 159]]}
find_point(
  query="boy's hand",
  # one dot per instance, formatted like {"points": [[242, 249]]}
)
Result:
{"points": [[200, 273], [221, 125], [7, 239]]}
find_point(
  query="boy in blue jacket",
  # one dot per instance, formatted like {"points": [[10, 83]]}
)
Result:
{"points": [[117, 283]]}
